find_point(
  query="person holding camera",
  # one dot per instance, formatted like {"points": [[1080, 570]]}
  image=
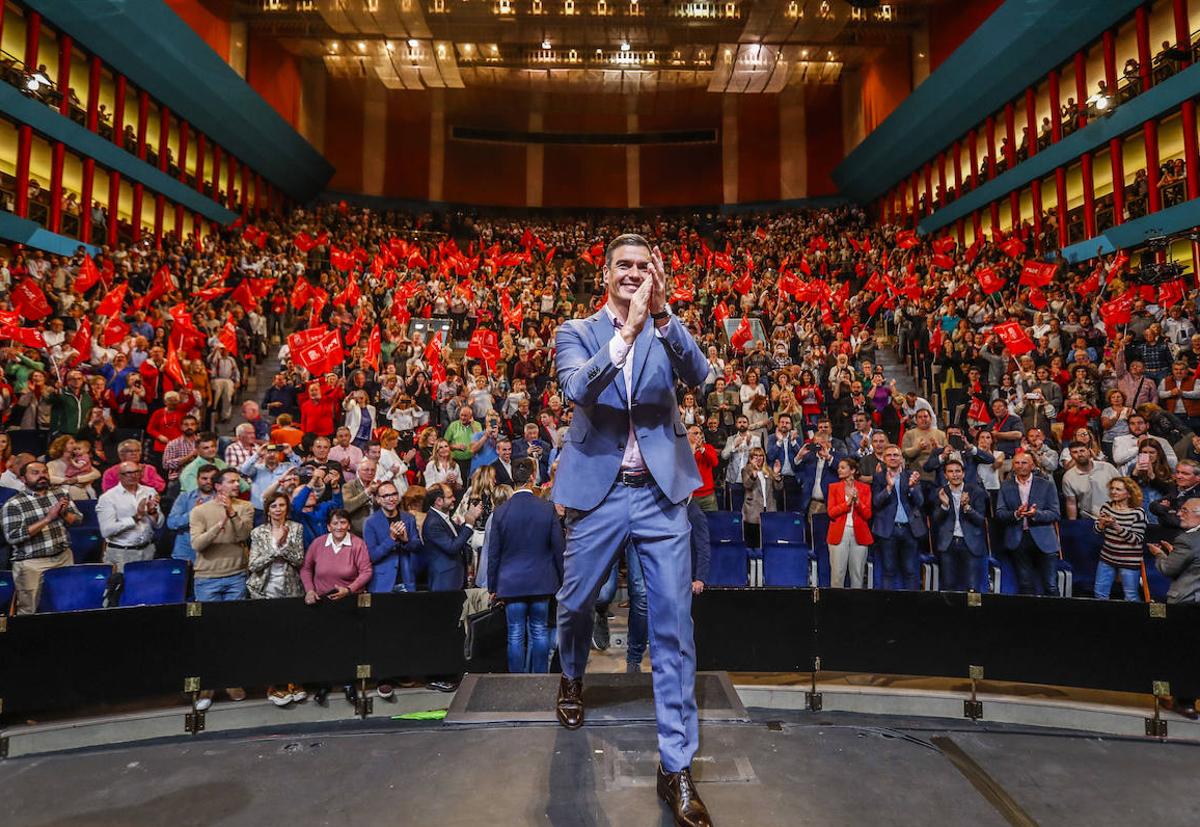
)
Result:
{"points": [[484, 443], [532, 446], [318, 495]]}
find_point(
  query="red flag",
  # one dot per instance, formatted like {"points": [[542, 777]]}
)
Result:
{"points": [[721, 312], [228, 337], [936, 339], [29, 300], [211, 293], [24, 336], [989, 280], [945, 246], [304, 242], [1091, 284], [1037, 273], [1117, 311], [1014, 337], [1037, 298], [89, 274], [743, 285], [433, 350], [173, 368], [301, 293], [1013, 247], [81, 342], [111, 304], [742, 335], [113, 332], [160, 285], [484, 345], [760, 233], [355, 331], [1171, 293], [1118, 263], [943, 261], [978, 411], [791, 285], [318, 353], [374, 348], [906, 239]]}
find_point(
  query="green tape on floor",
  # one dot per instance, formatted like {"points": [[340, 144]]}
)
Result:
{"points": [[428, 715]]}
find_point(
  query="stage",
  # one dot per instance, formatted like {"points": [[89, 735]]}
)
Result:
{"points": [[776, 768]]}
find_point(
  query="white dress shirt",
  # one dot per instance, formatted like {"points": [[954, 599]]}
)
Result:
{"points": [[116, 511], [620, 354]]}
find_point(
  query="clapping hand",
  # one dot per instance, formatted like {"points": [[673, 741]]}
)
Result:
{"points": [[944, 499], [913, 479], [1160, 549]]}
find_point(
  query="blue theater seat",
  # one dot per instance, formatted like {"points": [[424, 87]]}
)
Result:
{"points": [[73, 588], [154, 582], [7, 590], [783, 527], [725, 527], [88, 509], [787, 565], [819, 532], [87, 546], [29, 441], [729, 565], [1081, 548], [6, 494]]}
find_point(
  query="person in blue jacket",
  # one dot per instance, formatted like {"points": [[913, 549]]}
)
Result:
{"points": [[393, 542], [310, 505]]}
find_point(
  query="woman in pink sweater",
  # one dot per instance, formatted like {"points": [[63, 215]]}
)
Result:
{"points": [[337, 564]]}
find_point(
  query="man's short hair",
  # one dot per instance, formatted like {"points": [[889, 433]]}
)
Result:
{"points": [[225, 473], [624, 240], [208, 436], [207, 468], [435, 493], [128, 445], [1077, 444], [952, 461], [1190, 463], [524, 470]]}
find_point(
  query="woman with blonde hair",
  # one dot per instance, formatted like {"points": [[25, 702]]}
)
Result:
{"points": [[1122, 524], [442, 467], [761, 483], [70, 466]]}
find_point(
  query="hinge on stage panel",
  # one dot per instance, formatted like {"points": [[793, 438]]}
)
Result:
{"points": [[813, 701], [1156, 727], [973, 707]]}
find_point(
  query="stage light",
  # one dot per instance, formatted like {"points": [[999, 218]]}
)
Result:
{"points": [[624, 45], [333, 45], [413, 43], [362, 45], [545, 44], [1101, 103], [32, 84], [390, 45]]}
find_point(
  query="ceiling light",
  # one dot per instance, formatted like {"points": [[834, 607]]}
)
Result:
{"points": [[362, 45], [804, 53], [624, 45], [333, 46], [390, 45], [413, 43], [545, 44]]}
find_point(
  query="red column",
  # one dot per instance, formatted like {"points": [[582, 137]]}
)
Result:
{"points": [[960, 231], [994, 210], [24, 147], [139, 193], [201, 151], [1089, 195], [164, 135], [1035, 200], [160, 206], [258, 193], [1055, 108], [972, 148], [1014, 208], [56, 174], [977, 222], [33, 35], [93, 101], [1031, 120], [928, 172], [902, 206], [1010, 132], [183, 150], [114, 203], [990, 126], [245, 199], [64, 73], [1190, 154], [1183, 35], [956, 168], [179, 222], [85, 201], [1145, 57], [231, 172], [1114, 145], [1081, 93], [216, 172], [941, 172], [1150, 138], [1060, 196], [119, 112], [143, 119]]}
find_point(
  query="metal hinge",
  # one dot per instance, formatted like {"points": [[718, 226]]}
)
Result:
{"points": [[363, 671], [194, 609], [1158, 609], [972, 706], [193, 722], [3, 747], [974, 600], [191, 684], [364, 600]]}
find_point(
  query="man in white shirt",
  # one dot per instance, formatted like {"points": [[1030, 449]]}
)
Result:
{"points": [[129, 516], [737, 453], [1125, 447]]}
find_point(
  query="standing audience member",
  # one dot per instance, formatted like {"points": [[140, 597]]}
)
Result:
{"points": [[1122, 524], [1180, 560], [276, 555], [960, 533], [849, 526], [898, 524], [446, 544], [129, 518], [1028, 510], [392, 542], [35, 525]]}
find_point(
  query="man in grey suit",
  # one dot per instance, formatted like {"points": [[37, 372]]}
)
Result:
{"points": [[1180, 560]]}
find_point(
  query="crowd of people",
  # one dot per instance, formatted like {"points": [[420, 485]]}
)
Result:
{"points": [[379, 452]]}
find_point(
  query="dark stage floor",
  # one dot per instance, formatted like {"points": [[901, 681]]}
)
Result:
{"points": [[779, 769]]}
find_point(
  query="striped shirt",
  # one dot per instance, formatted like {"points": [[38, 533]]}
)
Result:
{"points": [[1123, 539]]}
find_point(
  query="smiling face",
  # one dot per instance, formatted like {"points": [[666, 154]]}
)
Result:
{"points": [[627, 267]]}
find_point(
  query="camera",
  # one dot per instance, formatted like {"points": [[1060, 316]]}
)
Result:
{"points": [[305, 474]]}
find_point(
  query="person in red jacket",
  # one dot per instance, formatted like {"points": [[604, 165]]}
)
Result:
{"points": [[849, 506], [706, 460], [166, 423], [317, 411]]}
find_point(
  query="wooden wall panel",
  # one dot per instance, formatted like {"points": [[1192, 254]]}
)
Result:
{"points": [[823, 137], [344, 132], [212, 28], [274, 73], [953, 22], [886, 81], [577, 175], [680, 174], [406, 166], [479, 172], [758, 148]]}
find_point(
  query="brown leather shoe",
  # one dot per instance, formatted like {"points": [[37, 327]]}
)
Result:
{"points": [[679, 792], [569, 706]]}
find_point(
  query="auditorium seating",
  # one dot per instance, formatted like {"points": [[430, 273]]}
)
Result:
{"points": [[87, 546], [7, 592], [154, 582], [1081, 547], [729, 564], [725, 527], [73, 588]]}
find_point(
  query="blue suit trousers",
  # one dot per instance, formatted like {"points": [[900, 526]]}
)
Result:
{"points": [[659, 533]]}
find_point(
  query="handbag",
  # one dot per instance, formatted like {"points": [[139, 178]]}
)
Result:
{"points": [[485, 645]]}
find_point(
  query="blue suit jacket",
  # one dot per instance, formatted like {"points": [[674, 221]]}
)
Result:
{"points": [[525, 548], [447, 549], [971, 461], [883, 505], [972, 520], [1041, 525], [389, 557], [806, 476], [775, 450], [592, 449]]}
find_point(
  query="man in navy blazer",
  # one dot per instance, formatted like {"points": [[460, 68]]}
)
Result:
{"points": [[624, 471], [784, 446], [898, 521], [393, 543], [1028, 509], [446, 544], [960, 531], [819, 453]]}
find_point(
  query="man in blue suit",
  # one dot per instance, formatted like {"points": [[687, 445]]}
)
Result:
{"points": [[784, 448], [524, 567], [393, 542], [960, 533], [1028, 509], [624, 472], [446, 543], [897, 521], [816, 468]]}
